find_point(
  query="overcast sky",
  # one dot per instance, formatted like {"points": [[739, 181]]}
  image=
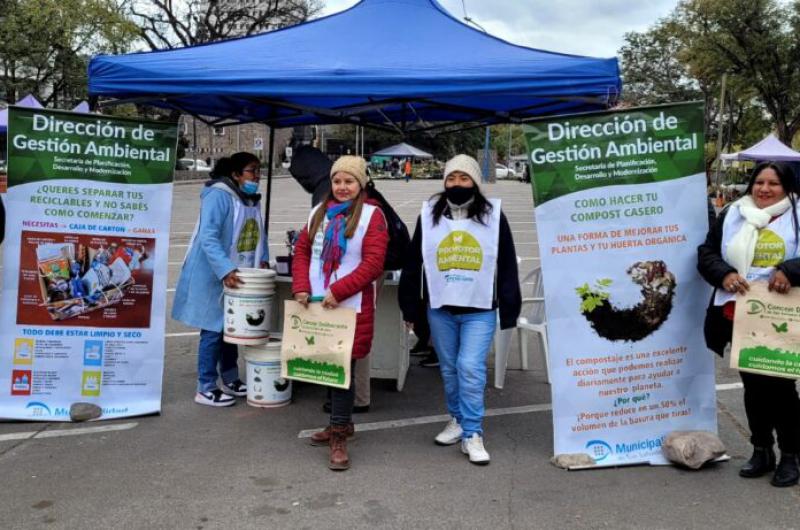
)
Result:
{"points": [[584, 27]]}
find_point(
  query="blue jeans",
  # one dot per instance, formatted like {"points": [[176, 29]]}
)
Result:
{"points": [[212, 353], [462, 342]]}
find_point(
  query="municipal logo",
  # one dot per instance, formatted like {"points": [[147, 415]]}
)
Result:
{"points": [[598, 449], [754, 307]]}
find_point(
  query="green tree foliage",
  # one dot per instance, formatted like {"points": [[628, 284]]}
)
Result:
{"points": [[499, 141], [754, 42], [46, 45]]}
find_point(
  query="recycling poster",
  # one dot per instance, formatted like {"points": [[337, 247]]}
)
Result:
{"points": [[84, 264], [620, 208]]}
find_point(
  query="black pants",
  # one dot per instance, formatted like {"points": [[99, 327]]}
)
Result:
{"points": [[342, 401], [772, 403], [421, 327]]}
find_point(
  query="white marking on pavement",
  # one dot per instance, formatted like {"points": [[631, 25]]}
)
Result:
{"points": [[729, 386], [439, 418], [27, 435], [182, 334]]}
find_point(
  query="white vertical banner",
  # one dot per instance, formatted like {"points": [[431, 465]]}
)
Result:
{"points": [[620, 209], [85, 264]]}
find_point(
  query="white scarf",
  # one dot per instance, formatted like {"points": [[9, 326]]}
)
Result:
{"points": [[742, 247]]}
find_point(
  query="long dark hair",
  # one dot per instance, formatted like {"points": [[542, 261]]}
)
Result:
{"points": [[788, 182], [478, 210], [228, 165]]}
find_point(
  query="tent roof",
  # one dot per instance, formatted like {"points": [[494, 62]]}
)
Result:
{"points": [[28, 101], [770, 148], [404, 150], [405, 63]]}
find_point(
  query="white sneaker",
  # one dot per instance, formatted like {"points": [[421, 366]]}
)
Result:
{"points": [[214, 398], [236, 388], [473, 446], [451, 433]]}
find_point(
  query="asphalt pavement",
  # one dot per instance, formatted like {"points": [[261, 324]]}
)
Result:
{"points": [[198, 467]]}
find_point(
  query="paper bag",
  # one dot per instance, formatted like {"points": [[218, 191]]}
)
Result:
{"points": [[317, 344], [766, 332]]}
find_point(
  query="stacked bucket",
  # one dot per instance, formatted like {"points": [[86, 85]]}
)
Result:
{"points": [[248, 316]]}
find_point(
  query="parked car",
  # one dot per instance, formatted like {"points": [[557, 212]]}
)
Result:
{"points": [[504, 172], [193, 165]]}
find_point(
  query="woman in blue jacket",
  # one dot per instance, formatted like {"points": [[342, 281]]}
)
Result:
{"points": [[229, 234]]}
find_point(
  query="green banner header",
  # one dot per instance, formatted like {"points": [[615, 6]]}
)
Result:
{"points": [[49, 144], [627, 146]]}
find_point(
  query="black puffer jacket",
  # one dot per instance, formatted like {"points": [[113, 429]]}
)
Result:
{"points": [[713, 268], [311, 169]]}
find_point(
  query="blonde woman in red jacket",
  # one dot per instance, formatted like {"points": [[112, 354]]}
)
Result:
{"points": [[339, 256]]}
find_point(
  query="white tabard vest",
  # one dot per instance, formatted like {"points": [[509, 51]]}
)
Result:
{"points": [[776, 244], [460, 258], [247, 244], [350, 261]]}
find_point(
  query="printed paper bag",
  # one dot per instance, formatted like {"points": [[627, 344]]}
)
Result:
{"points": [[766, 332], [317, 344]]}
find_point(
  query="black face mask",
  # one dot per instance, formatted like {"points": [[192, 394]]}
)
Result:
{"points": [[458, 194]]}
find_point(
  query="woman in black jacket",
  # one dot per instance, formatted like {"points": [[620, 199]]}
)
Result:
{"points": [[463, 244], [741, 248]]}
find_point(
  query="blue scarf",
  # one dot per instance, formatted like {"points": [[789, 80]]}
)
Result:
{"points": [[334, 243]]}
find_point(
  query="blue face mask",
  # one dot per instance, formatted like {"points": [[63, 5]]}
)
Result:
{"points": [[249, 187]]}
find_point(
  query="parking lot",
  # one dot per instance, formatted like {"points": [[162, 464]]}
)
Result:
{"points": [[199, 467]]}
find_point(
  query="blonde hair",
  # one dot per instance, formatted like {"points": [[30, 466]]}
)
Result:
{"points": [[352, 217]]}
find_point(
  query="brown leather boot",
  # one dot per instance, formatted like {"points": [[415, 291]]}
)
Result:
{"points": [[339, 460], [321, 438]]}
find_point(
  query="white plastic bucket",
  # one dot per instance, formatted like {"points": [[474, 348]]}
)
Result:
{"points": [[248, 308], [265, 386]]}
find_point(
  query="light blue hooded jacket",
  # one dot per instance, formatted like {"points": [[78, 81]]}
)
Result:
{"points": [[198, 296]]}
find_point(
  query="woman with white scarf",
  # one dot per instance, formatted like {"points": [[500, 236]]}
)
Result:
{"points": [[756, 239]]}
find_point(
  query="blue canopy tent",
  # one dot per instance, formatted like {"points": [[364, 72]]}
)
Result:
{"points": [[436, 75]]}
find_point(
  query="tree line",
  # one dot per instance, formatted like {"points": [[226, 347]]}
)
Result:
{"points": [[47, 44]]}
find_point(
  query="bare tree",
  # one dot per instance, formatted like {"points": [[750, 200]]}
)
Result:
{"points": [[164, 24]]}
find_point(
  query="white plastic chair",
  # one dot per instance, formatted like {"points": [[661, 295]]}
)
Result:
{"points": [[532, 320]]}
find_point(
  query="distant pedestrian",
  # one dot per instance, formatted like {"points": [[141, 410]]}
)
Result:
{"points": [[462, 262], [407, 169]]}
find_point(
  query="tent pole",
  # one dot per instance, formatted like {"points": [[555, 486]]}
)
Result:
{"points": [[269, 177]]}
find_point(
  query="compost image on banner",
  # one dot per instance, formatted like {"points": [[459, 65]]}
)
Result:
{"points": [[88, 209], [620, 209]]}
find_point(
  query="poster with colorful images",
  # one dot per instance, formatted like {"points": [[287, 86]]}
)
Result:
{"points": [[620, 203], [84, 264]]}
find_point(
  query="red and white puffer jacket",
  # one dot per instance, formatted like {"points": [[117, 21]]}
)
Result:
{"points": [[373, 253]]}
